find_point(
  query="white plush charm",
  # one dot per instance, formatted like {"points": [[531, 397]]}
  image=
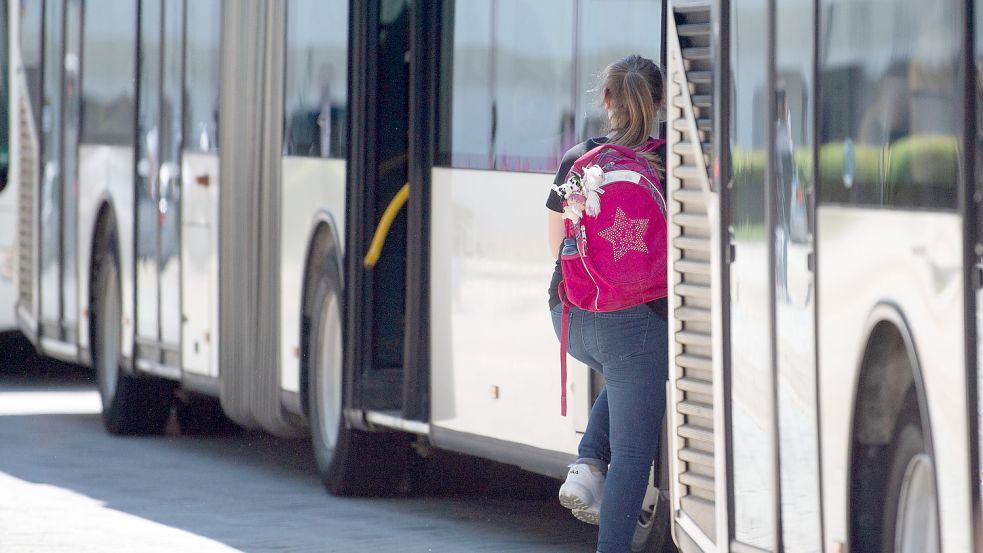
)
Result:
{"points": [[572, 212], [593, 178], [593, 204]]}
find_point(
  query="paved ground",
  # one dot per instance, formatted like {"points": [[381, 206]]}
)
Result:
{"points": [[67, 486]]}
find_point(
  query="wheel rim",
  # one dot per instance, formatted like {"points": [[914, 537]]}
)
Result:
{"points": [[646, 518], [329, 372], [917, 528], [110, 333]]}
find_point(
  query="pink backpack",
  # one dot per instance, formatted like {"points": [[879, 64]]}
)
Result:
{"points": [[614, 253]]}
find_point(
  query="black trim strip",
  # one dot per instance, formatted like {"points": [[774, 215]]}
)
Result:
{"points": [[542, 461], [60, 182], [723, 183], [971, 211], [39, 165], [812, 219], [425, 41], [360, 184], [135, 180], [770, 212]]}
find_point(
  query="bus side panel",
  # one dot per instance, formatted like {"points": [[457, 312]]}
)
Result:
{"points": [[914, 262], [199, 262], [495, 357], [310, 186], [105, 175]]}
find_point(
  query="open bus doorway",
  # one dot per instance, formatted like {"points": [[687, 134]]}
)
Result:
{"points": [[378, 170]]}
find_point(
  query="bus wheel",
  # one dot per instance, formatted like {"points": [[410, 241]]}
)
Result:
{"points": [[652, 534], [131, 404], [912, 525], [350, 462]]}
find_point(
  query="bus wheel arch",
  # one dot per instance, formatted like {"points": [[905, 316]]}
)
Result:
{"points": [[888, 406], [358, 462], [132, 404], [323, 245]]}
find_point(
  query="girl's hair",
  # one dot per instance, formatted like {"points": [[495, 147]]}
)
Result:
{"points": [[634, 90]]}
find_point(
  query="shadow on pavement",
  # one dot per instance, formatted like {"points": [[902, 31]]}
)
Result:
{"points": [[250, 491], [21, 367]]}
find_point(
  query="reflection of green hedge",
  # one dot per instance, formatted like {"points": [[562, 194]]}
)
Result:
{"points": [[923, 170], [918, 170], [866, 165], [749, 178]]}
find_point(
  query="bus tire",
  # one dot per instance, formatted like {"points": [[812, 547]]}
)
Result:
{"points": [[911, 504], [350, 462], [131, 404]]}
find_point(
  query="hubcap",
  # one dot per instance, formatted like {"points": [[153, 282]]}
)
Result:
{"points": [[109, 330], [329, 372], [917, 526]]}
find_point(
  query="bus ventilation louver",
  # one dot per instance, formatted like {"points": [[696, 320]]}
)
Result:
{"points": [[27, 171], [693, 228]]}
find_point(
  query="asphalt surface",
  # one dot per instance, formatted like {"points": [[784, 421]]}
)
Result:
{"points": [[68, 486]]}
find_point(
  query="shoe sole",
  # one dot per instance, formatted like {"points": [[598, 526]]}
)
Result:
{"points": [[579, 509], [590, 517], [572, 501]]}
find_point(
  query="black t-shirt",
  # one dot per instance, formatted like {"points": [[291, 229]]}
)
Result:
{"points": [[555, 203]]}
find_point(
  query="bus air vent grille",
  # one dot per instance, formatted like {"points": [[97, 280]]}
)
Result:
{"points": [[27, 171], [693, 265]]}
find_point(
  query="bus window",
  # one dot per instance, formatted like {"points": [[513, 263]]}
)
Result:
{"points": [[752, 416], [202, 59], [316, 91], [607, 35], [108, 92], [30, 53], [512, 73], [794, 286], [891, 76], [533, 106], [466, 140]]}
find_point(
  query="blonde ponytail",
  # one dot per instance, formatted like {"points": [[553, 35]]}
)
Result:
{"points": [[633, 89]]}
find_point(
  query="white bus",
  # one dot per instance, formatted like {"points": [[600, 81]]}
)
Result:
{"points": [[203, 180], [826, 249]]}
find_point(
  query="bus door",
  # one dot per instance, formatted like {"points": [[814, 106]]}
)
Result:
{"points": [[157, 272], [744, 374], [773, 415], [792, 202], [382, 338], [60, 121]]}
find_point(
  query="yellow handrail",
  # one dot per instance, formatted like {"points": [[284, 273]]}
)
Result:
{"points": [[381, 231]]}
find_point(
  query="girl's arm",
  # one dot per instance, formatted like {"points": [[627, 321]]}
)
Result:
{"points": [[556, 232]]}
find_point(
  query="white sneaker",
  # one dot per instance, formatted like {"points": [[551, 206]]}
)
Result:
{"points": [[582, 492]]}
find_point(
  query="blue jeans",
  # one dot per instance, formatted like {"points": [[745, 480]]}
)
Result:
{"points": [[630, 348]]}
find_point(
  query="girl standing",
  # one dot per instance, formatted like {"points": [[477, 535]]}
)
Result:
{"points": [[629, 347]]}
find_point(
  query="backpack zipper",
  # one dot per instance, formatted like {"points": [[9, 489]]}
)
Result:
{"points": [[583, 254]]}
